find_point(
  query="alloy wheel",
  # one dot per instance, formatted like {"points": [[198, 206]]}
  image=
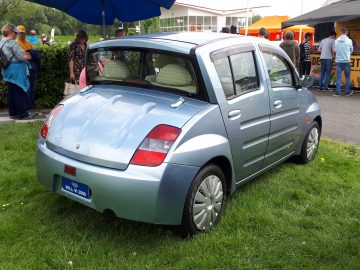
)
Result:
{"points": [[312, 143]]}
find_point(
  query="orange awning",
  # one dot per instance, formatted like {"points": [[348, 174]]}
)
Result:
{"points": [[273, 24]]}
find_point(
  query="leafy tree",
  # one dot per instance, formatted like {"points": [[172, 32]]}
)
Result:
{"points": [[256, 18], [6, 6], [43, 19], [150, 25]]}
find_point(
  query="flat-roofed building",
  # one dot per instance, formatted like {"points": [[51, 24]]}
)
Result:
{"points": [[207, 15]]}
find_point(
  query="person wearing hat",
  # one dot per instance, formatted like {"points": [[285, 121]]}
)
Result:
{"points": [[35, 59], [23, 42], [16, 74]]}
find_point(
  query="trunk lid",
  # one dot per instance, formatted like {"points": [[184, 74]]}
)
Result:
{"points": [[106, 125]]}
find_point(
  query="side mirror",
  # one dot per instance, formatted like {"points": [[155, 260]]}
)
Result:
{"points": [[306, 81]]}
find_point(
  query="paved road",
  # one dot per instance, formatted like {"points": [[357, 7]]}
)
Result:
{"points": [[341, 116], [40, 115]]}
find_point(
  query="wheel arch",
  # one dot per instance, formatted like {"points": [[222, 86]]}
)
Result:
{"points": [[226, 167], [318, 119]]}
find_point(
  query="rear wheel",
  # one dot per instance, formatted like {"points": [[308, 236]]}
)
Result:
{"points": [[310, 145], [204, 202]]}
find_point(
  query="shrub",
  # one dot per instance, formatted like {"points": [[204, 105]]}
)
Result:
{"points": [[54, 72], [51, 78]]}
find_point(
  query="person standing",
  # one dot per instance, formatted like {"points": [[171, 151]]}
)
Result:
{"points": [[26, 45], [76, 55], [120, 33], [305, 61], [262, 32], [291, 47], [44, 40], [327, 52], [34, 40], [21, 39], [343, 50], [16, 74]]}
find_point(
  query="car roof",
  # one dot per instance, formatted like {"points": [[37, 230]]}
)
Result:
{"points": [[194, 38], [181, 42]]}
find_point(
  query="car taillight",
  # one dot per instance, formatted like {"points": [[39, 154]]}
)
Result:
{"points": [[46, 126], [154, 148]]}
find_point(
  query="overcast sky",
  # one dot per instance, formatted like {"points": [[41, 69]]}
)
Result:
{"points": [[291, 8]]}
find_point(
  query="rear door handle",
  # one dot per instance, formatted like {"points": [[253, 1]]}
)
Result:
{"points": [[278, 104], [235, 114]]}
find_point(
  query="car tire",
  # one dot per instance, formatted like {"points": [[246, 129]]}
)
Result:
{"points": [[310, 145], [204, 202]]}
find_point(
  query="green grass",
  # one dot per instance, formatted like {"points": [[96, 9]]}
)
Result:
{"points": [[293, 217]]}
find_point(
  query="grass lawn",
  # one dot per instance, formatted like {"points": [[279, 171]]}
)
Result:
{"points": [[64, 39], [293, 217]]}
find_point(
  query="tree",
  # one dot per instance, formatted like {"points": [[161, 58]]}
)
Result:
{"points": [[150, 25], [25, 14], [256, 18], [7, 6], [42, 19]]}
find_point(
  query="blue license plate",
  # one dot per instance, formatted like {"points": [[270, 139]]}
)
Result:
{"points": [[76, 188]]}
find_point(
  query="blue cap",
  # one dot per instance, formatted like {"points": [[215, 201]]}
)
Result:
{"points": [[15, 30]]}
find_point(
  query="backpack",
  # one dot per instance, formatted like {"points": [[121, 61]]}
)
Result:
{"points": [[302, 52], [4, 62]]}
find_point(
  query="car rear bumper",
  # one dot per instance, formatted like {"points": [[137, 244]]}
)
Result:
{"points": [[146, 194]]}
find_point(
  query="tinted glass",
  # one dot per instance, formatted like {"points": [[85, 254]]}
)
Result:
{"points": [[142, 68], [223, 70], [279, 71], [245, 75]]}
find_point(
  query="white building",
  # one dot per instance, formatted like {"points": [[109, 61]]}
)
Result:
{"points": [[207, 15]]}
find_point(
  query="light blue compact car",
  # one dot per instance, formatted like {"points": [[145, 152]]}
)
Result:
{"points": [[171, 124]]}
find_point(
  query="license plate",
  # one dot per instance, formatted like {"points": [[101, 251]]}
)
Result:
{"points": [[76, 188]]}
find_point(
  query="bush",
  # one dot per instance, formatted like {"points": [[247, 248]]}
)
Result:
{"points": [[51, 78], [54, 72]]}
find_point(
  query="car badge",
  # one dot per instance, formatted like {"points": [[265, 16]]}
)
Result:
{"points": [[77, 146]]}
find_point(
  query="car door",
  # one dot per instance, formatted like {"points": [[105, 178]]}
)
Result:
{"points": [[245, 108], [284, 104]]}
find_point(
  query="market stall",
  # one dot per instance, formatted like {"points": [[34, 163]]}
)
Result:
{"points": [[344, 13], [272, 24]]}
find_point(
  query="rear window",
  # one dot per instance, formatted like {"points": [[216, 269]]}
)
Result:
{"points": [[144, 68]]}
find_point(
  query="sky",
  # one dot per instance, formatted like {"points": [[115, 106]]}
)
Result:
{"points": [[291, 8]]}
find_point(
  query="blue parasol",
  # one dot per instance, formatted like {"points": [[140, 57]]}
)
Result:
{"points": [[104, 12]]}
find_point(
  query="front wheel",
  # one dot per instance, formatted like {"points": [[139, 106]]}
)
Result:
{"points": [[204, 202], [310, 145]]}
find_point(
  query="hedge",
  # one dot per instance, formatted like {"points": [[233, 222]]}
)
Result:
{"points": [[50, 84]]}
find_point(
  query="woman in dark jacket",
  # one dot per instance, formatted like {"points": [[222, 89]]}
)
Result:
{"points": [[76, 55], [16, 74]]}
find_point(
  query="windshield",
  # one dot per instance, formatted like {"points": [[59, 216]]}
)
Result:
{"points": [[143, 68]]}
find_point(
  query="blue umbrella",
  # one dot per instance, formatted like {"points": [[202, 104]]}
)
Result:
{"points": [[104, 12]]}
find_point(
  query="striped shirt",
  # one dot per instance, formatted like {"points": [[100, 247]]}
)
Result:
{"points": [[307, 48]]}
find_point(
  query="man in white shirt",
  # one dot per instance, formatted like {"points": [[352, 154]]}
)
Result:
{"points": [[327, 52]]}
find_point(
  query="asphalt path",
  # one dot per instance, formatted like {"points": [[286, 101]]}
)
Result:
{"points": [[341, 116]]}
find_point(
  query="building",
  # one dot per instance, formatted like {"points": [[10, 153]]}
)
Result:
{"points": [[207, 15]]}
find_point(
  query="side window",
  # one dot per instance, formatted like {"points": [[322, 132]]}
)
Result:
{"points": [[245, 75], [223, 70], [279, 71], [237, 74]]}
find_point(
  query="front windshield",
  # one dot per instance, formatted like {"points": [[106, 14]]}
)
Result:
{"points": [[143, 68]]}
